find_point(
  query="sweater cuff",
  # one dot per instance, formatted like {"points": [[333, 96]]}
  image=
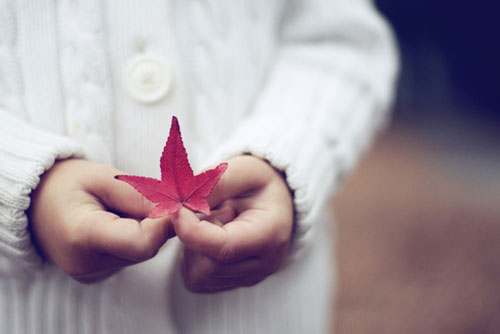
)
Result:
{"points": [[25, 154], [302, 156], [312, 126]]}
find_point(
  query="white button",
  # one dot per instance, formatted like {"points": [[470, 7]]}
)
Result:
{"points": [[148, 79]]}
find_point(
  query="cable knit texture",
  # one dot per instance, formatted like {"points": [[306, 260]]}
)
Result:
{"points": [[304, 84], [26, 152], [85, 77]]}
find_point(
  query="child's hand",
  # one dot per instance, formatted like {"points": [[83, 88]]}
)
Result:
{"points": [[74, 224], [246, 237]]}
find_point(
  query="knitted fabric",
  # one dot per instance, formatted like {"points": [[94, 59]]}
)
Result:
{"points": [[302, 84]]}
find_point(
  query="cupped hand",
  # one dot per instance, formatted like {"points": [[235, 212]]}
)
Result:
{"points": [[90, 224], [246, 237]]}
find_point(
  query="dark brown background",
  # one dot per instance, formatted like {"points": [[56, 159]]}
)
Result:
{"points": [[419, 221], [419, 238]]}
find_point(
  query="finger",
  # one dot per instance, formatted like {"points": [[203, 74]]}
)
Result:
{"points": [[199, 265], [128, 238], [95, 277], [217, 285], [91, 266], [247, 235], [201, 282], [220, 216], [120, 196]]}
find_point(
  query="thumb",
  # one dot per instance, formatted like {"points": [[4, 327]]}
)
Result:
{"points": [[199, 235], [128, 238], [231, 242], [121, 197]]}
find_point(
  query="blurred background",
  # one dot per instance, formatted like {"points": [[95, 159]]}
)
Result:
{"points": [[419, 220]]}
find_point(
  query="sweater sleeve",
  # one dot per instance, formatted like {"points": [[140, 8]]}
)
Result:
{"points": [[25, 153], [326, 94]]}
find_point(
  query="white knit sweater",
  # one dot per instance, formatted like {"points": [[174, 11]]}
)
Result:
{"points": [[302, 83]]}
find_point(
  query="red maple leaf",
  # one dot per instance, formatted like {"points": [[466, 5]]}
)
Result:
{"points": [[178, 185]]}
